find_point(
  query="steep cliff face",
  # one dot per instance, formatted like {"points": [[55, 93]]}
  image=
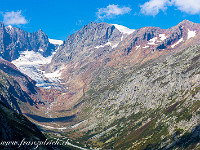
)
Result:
{"points": [[14, 40], [27, 84], [11, 93], [86, 41], [16, 127]]}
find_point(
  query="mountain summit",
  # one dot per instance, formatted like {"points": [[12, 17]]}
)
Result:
{"points": [[14, 40]]}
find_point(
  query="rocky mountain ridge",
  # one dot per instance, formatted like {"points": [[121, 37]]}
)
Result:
{"points": [[13, 40], [100, 49]]}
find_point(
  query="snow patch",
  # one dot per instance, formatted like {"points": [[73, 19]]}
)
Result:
{"points": [[41, 50], [57, 42], [145, 46], [108, 43], [124, 29], [50, 127], [162, 37], [99, 46], [191, 34], [55, 74], [122, 37], [152, 41], [179, 41], [137, 47], [76, 125], [113, 45]]}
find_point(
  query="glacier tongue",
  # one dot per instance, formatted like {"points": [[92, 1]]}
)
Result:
{"points": [[30, 62]]}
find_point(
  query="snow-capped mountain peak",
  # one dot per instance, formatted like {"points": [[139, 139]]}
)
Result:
{"points": [[10, 26], [124, 29]]}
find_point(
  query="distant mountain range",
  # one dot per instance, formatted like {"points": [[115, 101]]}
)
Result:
{"points": [[107, 86]]}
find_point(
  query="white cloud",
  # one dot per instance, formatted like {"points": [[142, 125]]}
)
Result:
{"points": [[153, 7], [14, 18], [111, 11], [188, 6]]}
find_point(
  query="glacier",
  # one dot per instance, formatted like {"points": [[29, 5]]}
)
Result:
{"points": [[30, 63]]}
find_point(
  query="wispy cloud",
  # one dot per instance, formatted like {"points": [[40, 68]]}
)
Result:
{"points": [[188, 6], [14, 18], [153, 7], [111, 11]]}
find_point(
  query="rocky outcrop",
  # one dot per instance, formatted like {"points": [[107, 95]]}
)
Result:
{"points": [[27, 84], [140, 38], [83, 42], [17, 90], [11, 92], [13, 40], [176, 33]]}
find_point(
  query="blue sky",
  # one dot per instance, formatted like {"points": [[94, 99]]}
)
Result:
{"points": [[60, 18]]}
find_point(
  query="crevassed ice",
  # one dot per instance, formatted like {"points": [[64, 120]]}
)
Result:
{"points": [[30, 62], [31, 58], [55, 74]]}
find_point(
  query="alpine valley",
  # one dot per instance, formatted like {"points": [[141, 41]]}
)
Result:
{"points": [[105, 87]]}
